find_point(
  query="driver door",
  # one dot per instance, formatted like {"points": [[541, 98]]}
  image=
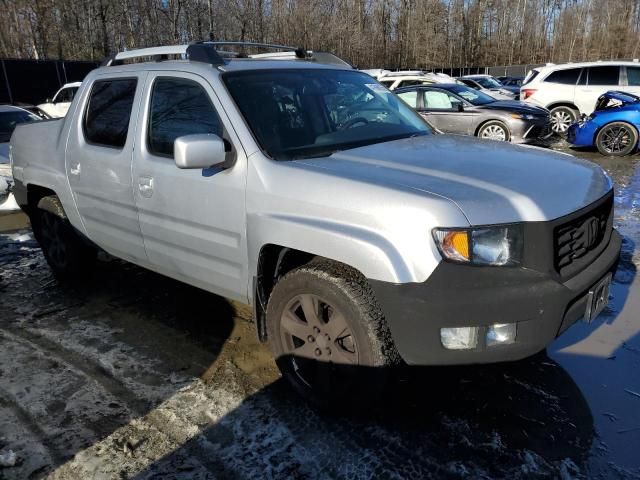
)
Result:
{"points": [[445, 111]]}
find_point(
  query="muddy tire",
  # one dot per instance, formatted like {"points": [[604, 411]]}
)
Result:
{"points": [[561, 118], [69, 257], [495, 130], [328, 334], [617, 139]]}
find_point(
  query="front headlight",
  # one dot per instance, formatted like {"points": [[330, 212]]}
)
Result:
{"points": [[494, 245], [523, 116]]}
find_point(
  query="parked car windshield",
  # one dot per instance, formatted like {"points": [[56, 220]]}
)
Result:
{"points": [[313, 113], [9, 120], [487, 82], [474, 97]]}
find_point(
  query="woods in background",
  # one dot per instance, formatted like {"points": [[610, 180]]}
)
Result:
{"points": [[368, 33]]}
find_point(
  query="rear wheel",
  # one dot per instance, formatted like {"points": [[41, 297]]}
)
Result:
{"points": [[617, 139], [495, 130], [67, 254], [328, 334], [562, 118]]}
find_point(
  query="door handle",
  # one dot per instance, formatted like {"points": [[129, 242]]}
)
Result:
{"points": [[74, 169], [145, 186]]}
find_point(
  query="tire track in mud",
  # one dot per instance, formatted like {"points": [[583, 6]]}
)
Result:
{"points": [[31, 425], [85, 366]]}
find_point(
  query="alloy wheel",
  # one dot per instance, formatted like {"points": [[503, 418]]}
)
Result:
{"points": [[615, 139], [560, 121], [494, 132]]}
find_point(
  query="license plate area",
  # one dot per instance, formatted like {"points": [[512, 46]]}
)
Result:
{"points": [[597, 299]]}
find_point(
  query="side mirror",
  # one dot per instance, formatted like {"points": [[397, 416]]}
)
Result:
{"points": [[460, 107], [201, 150]]}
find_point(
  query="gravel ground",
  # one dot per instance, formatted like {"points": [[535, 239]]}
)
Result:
{"points": [[133, 375]]}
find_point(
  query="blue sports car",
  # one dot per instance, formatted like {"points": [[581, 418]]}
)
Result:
{"points": [[612, 127]]}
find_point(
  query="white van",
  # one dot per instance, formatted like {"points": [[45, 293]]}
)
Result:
{"points": [[570, 89]]}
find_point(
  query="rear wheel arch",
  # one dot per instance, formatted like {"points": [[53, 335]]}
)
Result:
{"points": [[570, 105]]}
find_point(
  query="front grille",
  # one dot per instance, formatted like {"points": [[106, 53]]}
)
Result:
{"points": [[578, 241]]}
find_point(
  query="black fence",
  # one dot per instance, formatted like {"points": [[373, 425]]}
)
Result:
{"points": [[33, 81]]}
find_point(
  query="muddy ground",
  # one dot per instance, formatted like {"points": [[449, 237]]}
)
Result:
{"points": [[133, 375]]}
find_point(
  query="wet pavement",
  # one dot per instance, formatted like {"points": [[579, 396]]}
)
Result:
{"points": [[133, 375]]}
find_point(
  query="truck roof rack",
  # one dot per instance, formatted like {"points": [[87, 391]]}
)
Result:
{"points": [[208, 52]]}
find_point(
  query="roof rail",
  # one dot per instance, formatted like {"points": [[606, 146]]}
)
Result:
{"points": [[197, 52], [208, 52]]}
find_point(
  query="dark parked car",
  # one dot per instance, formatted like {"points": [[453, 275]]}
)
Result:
{"points": [[512, 82], [453, 108]]}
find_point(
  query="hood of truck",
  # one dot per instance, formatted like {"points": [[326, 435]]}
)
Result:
{"points": [[491, 182]]}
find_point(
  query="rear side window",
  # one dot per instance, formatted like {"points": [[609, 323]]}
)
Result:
{"points": [[410, 98], [106, 121], [179, 107], [605, 75], [566, 77], [633, 76]]}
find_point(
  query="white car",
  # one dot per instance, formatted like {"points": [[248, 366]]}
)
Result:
{"points": [[407, 78], [571, 89], [9, 117], [58, 106], [488, 85]]}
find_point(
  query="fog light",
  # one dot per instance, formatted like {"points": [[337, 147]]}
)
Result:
{"points": [[501, 334], [459, 338]]}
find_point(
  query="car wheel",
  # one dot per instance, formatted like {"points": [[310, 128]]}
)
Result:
{"points": [[328, 334], [68, 256], [562, 118], [617, 139], [495, 130]]}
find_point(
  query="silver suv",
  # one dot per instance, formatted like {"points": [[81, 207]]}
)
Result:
{"points": [[360, 236]]}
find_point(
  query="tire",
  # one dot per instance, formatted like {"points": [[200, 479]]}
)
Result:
{"points": [[617, 139], [494, 130], [329, 372], [69, 257], [562, 118]]}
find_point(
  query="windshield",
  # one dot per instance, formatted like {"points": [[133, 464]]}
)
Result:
{"points": [[314, 113], [9, 120], [474, 97], [487, 82]]}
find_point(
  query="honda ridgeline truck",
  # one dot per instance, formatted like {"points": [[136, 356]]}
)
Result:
{"points": [[291, 182]]}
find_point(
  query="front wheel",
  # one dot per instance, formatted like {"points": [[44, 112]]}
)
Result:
{"points": [[69, 257], [617, 139], [494, 130], [328, 334], [562, 118]]}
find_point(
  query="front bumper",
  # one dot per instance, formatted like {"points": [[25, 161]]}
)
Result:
{"points": [[542, 303], [530, 131]]}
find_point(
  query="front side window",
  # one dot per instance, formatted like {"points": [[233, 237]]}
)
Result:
{"points": [[605, 75], [439, 100], [565, 77], [474, 97], [179, 107], [106, 121], [304, 113], [633, 76]]}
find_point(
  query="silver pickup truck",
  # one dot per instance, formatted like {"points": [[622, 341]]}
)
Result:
{"points": [[298, 185]]}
